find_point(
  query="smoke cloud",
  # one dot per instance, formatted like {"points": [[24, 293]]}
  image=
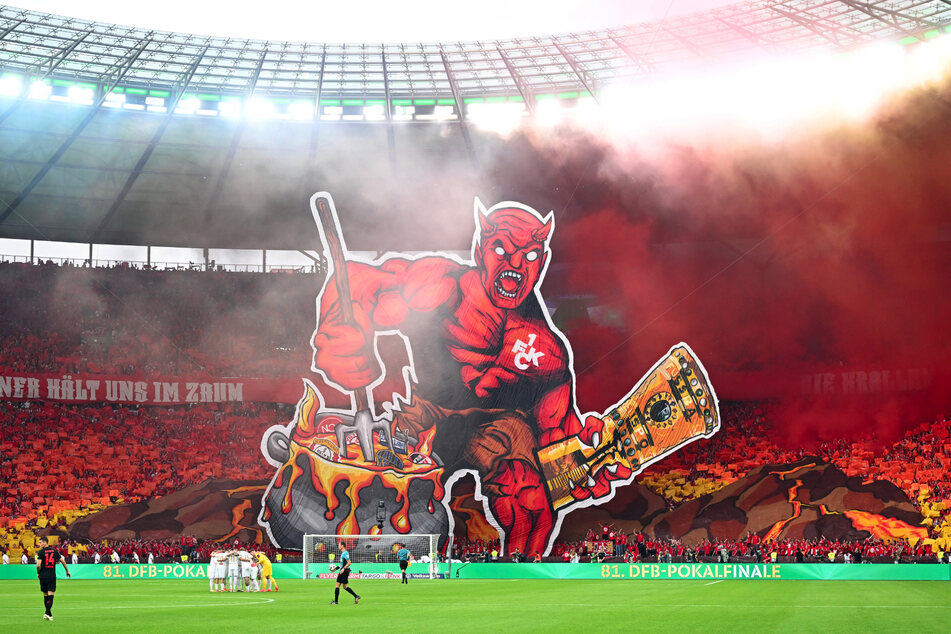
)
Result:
{"points": [[811, 268]]}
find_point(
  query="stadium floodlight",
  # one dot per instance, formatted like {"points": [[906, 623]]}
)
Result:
{"points": [[331, 113], [10, 86], [114, 100], [443, 113], [259, 108], [230, 107], [370, 554], [81, 95], [301, 110], [40, 90], [189, 105], [155, 104], [551, 112], [403, 113], [502, 117], [376, 112]]}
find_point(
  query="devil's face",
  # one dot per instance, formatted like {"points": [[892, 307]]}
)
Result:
{"points": [[511, 255]]}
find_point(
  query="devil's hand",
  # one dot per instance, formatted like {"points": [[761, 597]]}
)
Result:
{"points": [[344, 351], [592, 431], [598, 484]]}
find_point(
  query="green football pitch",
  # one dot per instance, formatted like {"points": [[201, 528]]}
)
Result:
{"points": [[498, 606]]}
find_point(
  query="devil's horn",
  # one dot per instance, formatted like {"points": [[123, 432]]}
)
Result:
{"points": [[486, 226], [541, 234]]}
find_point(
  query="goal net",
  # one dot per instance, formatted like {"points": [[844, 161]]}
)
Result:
{"points": [[370, 553]]}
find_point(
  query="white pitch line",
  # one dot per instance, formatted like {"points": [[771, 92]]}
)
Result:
{"points": [[154, 607], [673, 605], [712, 582]]}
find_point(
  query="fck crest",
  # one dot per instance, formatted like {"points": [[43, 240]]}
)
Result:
{"points": [[526, 354]]}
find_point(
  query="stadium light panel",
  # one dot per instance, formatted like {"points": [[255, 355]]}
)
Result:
{"points": [[501, 118], [550, 112], [444, 113], [188, 105], [114, 100], [403, 112], [375, 112], [301, 110], [133, 106], [230, 108], [40, 90], [10, 85], [331, 112], [259, 108]]}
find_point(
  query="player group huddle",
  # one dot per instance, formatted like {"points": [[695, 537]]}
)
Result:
{"points": [[240, 571]]}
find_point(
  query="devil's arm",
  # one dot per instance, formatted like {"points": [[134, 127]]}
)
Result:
{"points": [[557, 415], [383, 296]]}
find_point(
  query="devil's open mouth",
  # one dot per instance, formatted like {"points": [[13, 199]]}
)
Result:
{"points": [[508, 284]]}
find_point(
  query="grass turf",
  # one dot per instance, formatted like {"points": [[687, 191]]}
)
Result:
{"points": [[502, 606]]}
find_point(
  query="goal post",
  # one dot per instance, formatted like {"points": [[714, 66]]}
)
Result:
{"points": [[374, 552]]}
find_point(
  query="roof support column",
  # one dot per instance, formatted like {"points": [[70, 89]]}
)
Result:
{"points": [[460, 109], [120, 72], [522, 89], [147, 153]]}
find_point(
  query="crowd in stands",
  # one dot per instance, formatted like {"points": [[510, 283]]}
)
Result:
{"points": [[71, 456], [612, 545], [919, 462], [121, 321], [634, 548], [184, 549]]}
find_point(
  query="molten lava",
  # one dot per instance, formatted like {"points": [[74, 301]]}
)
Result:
{"points": [[315, 445]]}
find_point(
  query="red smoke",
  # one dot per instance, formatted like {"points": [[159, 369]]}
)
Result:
{"points": [[819, 263]]}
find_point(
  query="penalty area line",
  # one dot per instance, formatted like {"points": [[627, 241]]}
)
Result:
{"points": [[713, 582]]}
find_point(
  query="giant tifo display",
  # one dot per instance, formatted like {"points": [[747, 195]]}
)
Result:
{"points": [[647, 338]]}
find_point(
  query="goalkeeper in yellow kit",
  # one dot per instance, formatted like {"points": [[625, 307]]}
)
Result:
{"points": [[267, 578]]}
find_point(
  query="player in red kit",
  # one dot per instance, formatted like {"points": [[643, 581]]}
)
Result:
{"points": [[491, 371], [46, 559]]}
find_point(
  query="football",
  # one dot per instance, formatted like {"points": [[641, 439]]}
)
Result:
{"points": [[332, 567]]}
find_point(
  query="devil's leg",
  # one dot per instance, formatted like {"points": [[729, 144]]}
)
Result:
{"points": [[501, 450], [519, 503]]}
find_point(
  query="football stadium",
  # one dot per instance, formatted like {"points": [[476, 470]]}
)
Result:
{"points": [[417, 317]]}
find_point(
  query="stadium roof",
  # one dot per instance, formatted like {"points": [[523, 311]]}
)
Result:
{"points": [[92, 147], [38, 44]]}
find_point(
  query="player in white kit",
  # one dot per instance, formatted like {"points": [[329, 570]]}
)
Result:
{"points": [[255, 574], [222, 569], [234, 570], [211, 570], [244, 557]]}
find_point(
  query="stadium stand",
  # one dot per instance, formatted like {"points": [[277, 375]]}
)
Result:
{"points": [[64, 319]]}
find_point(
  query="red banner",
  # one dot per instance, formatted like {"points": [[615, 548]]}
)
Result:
{"points": [[146, 390]]}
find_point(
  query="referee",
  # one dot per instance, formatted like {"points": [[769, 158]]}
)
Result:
{"points": [[343, 578], [46, 560], [403, 555]]}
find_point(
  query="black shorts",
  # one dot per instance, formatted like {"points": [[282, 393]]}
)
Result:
{"points": [[343, 576], [403, 564], [47, 584]]}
